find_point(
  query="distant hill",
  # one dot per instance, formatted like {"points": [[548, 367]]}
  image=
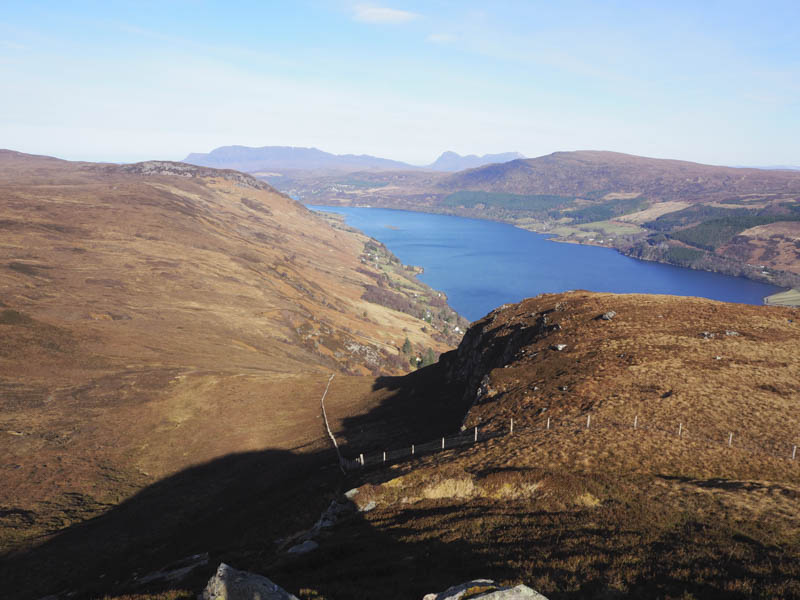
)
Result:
{"points": [[591, 172], [450, 161], [277, 158], [781, 167], [269, 158]]}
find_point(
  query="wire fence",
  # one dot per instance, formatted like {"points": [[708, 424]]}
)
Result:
{"points": [[775, 449]]}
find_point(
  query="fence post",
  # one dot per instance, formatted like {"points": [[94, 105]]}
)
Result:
{"points": [[384, 456], [512, 426], [588, 421], [442, 443], [476, 433], [794, 452], [635, 421], [361, 456], [730, 439], [412, 449], [548, 422], [680, 429]]}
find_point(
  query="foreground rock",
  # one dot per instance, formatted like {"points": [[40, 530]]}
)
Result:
{"points": [[487, 590], [230, 584], [304, 548], [176, 571]]}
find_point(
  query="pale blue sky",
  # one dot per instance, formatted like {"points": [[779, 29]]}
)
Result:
{"points": [[715, 82]]}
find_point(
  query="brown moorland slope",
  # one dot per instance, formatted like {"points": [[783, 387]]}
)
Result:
{"points": [[604, 512], [586, 172], [775, 244], [158, 316]]}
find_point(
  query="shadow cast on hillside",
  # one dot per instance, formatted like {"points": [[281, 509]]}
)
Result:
{"points": [[421, 406], [238, 506], [234, 507], [405, 552]]}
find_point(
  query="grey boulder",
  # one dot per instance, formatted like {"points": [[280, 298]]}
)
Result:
{"points": [[486, 589], [230, 584]]}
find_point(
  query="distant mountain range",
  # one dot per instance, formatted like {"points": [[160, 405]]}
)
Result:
{"points": [[270, 158], [275, 158], [450, 161], [780, 167]]}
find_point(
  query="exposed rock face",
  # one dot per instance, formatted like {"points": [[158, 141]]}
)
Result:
{"points": [[487, 346], [230, 584], [486, 589], [177, 570]]}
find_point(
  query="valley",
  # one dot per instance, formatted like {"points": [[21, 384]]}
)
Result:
{"points": [[169, 331]]}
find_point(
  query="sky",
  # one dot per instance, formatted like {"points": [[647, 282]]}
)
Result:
{"points": [[712, 82]]}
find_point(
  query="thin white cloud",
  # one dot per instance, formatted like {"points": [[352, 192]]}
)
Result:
{"points": [[367, 13], [441, 38]]}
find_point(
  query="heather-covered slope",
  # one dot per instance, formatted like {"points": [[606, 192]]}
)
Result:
{"points": [[158, 316], [610, 510]]}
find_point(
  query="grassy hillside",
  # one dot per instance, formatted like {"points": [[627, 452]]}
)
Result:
{"points": [[605, 511], [665, 509], [158, 317]]}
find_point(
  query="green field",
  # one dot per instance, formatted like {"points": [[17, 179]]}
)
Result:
{"points": [[787, 298], [532, 202], [597, 229], [604, 211], [361, 184]]}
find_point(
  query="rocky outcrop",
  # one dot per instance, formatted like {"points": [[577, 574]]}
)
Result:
{"points": [[488, 345], [165, 167], [176, 571], [486, 589], [231, 584]]}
